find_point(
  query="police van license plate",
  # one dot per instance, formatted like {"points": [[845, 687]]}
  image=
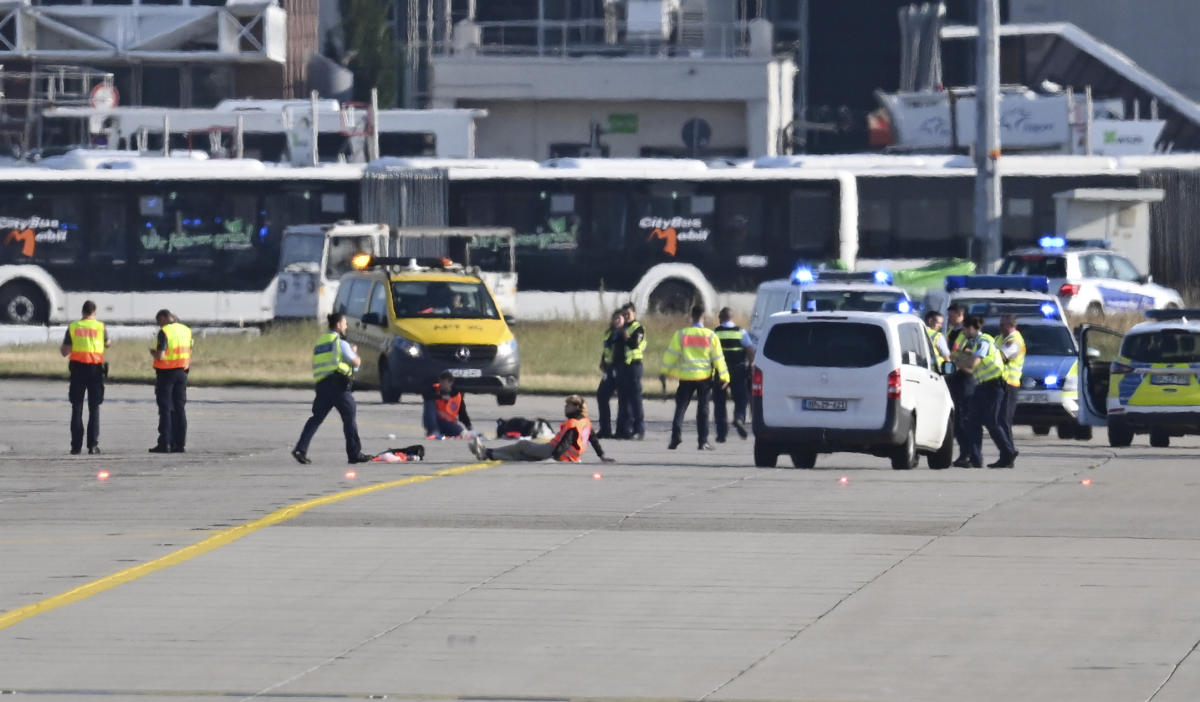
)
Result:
{"points": [[466, 372], [1170, 379], [1031, 397], [828, 405]]}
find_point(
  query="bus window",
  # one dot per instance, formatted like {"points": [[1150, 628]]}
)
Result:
{"points": [[608, 221], [741, 223], [812, 222], [41, 228]]}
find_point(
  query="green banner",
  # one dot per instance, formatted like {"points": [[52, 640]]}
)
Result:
{"points": [[623, 123]]}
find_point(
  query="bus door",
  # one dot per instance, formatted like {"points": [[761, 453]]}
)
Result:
{"points": [[1098, 347], [108, 255]]}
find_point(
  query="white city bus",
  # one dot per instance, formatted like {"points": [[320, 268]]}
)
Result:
{"points": [[137, 234]]}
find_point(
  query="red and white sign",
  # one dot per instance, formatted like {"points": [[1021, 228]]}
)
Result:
{"points": [[104, 97]]}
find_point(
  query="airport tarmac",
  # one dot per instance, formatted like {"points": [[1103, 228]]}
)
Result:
{"points": [[231, 572]]}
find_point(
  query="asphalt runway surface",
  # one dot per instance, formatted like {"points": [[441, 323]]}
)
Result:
{"points": [[232, 572]]}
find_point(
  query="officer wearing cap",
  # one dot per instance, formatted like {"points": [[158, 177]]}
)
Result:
{"points": [[981, 356]]}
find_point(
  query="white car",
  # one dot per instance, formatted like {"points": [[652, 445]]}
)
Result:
{"points": [[863, 382], [827, 291], [1090, 280]]}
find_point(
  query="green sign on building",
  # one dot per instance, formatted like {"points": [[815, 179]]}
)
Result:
{"points": [[623, 123]]}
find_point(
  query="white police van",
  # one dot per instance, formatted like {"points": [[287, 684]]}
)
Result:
{"points": [[827, 291], [972, 290], [1089, 278], [862, 382]]}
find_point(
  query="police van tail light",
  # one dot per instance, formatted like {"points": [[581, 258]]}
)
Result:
{"points": [[756, 382], [1118, 367], [894, 385], [1068, 289]]}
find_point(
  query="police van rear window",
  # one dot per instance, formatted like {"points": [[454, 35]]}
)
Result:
{"points": [[826, 344], [1034, 264], [1168, 346]]}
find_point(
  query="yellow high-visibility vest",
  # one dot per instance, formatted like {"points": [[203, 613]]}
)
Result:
{"points": [[638, 352], [1013, 366], [87, 341], [695, 354], [991, 366], [179, 347], [934, 336], [327, 357]]}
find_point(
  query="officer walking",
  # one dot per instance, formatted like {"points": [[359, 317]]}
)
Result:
{"points": [[981, 356], [172, 356], [694, 356], [334, 361], [84, 344], [631, 422], [739, 354], [961, 385], [1012, 349], [612, 355]]}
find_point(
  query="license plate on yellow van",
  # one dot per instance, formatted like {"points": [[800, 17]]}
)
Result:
{"points": [[813, 403], [466, 372]]}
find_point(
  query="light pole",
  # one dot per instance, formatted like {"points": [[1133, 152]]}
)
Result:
{"points": [[987, 136]]}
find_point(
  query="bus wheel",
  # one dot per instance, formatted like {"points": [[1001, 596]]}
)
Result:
{"points": [[673, 297], [22, 303], [387, 393]]}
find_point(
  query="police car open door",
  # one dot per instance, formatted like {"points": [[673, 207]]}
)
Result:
{"points": [[1098, 347]]}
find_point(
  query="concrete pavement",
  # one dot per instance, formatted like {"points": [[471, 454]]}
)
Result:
{"points": [[670, 575]]}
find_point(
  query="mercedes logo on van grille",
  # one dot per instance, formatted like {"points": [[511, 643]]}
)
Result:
{"points": [[463, 354]]}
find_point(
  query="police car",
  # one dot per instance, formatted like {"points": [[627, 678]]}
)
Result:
{"points": [[1145, 381], [1090, 279], [1049, 392], [811, 290], [1030, 290]]}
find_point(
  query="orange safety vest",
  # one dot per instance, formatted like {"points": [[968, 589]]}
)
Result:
{"points": [[179, 347], [447, 407], [87, 341], [583, 431]]}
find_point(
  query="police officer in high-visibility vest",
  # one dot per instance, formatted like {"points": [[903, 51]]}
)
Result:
{"points": [[334, 361], [172, 358], [694, 356], [1012, 350], [961, 384], [84, 345], [981, 356], [631, 422], [739, 354], [933, 328], [612, 355]]}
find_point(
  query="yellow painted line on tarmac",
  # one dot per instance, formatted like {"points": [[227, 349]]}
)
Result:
{"points": [[217, 540]]}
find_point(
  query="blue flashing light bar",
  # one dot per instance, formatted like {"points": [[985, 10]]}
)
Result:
{"points": [[1052, 381], [803, 275], [1168, 315], [1030, 308], [1052, 242], [1049, 310], [1030, 283]]}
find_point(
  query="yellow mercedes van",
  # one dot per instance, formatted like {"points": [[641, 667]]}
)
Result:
{"points": [[414, 318]]}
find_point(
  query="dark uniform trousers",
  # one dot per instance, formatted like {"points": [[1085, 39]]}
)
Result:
{"points": [[683, 397], [170, 391], [630, 420], [604, 395], [989, 407], [739, 390], [962, 390], [333, 391], [86, 379]]}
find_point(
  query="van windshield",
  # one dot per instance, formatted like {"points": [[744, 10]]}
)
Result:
{"points": [[1166, 346], [422, 298], [852, 300], [302, 249], [826, 344]]}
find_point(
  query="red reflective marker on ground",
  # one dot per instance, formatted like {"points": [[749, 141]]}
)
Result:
{"points": [[351, 475], [102, 476], [844, 480]]}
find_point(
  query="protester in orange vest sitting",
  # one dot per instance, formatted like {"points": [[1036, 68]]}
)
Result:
{"points": [[84, 343], [445, 410], [567, 445], [172, 359]]}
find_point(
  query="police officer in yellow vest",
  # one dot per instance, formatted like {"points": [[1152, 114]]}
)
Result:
{"points": [[612, 354], [694, 356], [981, 356], [739, 354], [933, 328], [334, 361], [172, 356], [631, 421], [84, 344], [1012, 350]]}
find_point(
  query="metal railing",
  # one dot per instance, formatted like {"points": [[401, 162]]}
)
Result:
{"points": [[576, 38]]}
